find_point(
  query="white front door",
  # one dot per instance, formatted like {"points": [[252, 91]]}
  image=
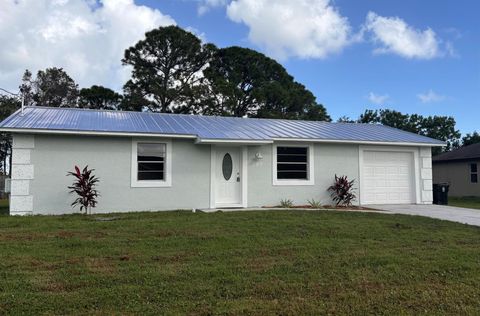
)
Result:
{"points": [[228, 177]]}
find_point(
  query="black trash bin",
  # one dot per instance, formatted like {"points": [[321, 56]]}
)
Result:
{"points": [[440, 193]]}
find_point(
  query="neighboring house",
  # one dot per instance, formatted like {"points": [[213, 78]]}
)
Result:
{"points": [[460, 169], [152, 161]]}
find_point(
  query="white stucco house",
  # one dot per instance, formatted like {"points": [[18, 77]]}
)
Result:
{"points": [[152, 161]]}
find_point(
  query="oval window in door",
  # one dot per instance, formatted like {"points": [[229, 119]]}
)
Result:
{"points": [[227, 166]]}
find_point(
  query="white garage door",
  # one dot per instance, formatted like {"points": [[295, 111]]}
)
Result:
{"points": [[387, 178]]}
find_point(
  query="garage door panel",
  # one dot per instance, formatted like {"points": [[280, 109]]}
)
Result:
{"points": [[380, 171], [387, 177], [369, 171], [392, 171]]}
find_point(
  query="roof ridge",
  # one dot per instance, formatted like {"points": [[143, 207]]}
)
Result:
{"points": [[184, 114]]}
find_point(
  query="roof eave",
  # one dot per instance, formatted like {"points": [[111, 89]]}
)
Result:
{"points": [[92, 133], [362, 142], [219, 141], [211, 140]]}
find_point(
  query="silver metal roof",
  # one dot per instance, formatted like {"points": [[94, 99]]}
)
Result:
{"points": [[43, 119]]}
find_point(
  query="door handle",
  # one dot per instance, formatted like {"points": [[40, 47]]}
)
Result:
{"points": [[238, 176]]}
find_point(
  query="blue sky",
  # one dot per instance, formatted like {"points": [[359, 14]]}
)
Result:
{"points": [[343, 81], [410, 55]]}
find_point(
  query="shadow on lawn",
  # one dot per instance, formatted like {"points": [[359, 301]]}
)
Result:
{"points": [[4, 208]]}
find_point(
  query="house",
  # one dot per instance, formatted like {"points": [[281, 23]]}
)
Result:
{"points": [[153, 161], [460, 169]]}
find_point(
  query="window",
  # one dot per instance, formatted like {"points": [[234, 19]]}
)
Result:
{"points": [[293, 165], [227, 166], [151, 164], [151, 161], [473, 173]]}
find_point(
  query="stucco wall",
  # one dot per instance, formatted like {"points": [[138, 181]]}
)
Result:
{"points": [[53, 156], [40, 164], [457, 174], [329, 159]]}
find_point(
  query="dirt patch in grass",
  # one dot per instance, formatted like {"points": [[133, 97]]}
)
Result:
{"points": [[100, 265], [44, 282], [61, 234], [179, 257], [22, 236]]}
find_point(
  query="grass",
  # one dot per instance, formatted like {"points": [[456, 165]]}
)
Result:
{"points": [[465, 201], [4, 207], [258, 262]]}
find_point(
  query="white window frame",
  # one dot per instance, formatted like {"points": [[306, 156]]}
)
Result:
{"points": [[310, 165], [472, 173], [167, 182]]}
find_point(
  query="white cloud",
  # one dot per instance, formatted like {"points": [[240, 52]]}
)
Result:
{"points": [[378, 98], [84, 37], [394, 35], [302, 28], [206, 5], [430, 97]]}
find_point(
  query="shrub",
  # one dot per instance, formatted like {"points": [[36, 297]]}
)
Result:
{"points": [[84, 187], [286, 203], [342, 191], [315, 204]]}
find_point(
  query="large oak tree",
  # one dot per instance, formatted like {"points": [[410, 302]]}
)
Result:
{"points": [[244, 82]]}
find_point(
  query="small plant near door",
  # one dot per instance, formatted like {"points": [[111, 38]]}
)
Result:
{"points": [[314, 203], [286, 203], [342, 191], [84, 186]]}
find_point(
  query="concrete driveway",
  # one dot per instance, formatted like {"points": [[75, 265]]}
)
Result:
{"points": [[449, 213]]}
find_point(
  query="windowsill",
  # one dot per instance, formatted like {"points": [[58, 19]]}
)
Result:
{"points": [[150, 184], [293, 182]]}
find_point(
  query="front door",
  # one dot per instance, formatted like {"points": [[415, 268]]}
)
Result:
{"points": [[228, 181]]}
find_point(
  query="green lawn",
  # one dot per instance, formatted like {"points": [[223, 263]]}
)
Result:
{"points": [[465, 201], [262, 262]]}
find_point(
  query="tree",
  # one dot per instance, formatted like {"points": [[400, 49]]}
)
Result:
{"points": [[241, 79], [471, 139], [289, 100], [438, 127], [54, 87], [8, 105], [174, 72], [100, 98], [387, 117], [345, 119], [442, 128], [244, 82], [167, 67], [26, 88], [315, 112]]}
